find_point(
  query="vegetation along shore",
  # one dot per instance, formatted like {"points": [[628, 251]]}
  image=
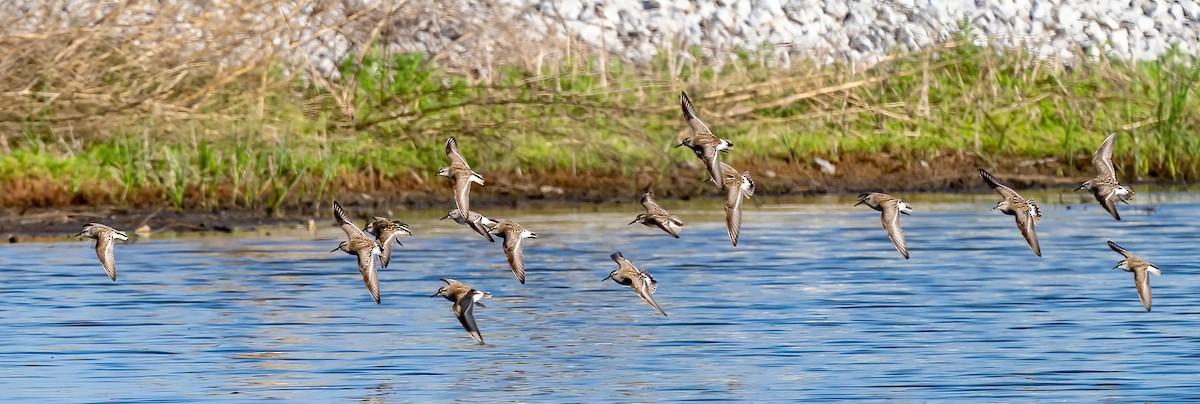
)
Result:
{"points": [[89, 123]]}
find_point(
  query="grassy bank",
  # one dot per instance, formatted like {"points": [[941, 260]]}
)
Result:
{"points": [[103, 124]]}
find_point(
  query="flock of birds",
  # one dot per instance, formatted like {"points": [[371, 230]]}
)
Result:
{"points": [[373, 244]]}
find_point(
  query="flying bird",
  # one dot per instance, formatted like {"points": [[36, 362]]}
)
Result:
{"points": [[891, 207], [104, 236], [1140, 269], [1024, 210], [656, 216], [514, 236], [703, 142], [1105, 187], [358, 243], [462, 175], [465, 299], [738, 187], [629, 275]]}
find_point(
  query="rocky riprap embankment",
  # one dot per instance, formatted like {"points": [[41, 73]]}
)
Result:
{"points": [[476, 35]]}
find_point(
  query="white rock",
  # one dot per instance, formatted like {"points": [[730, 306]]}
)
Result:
{"points": [[1191, 9], [836, 9], [1109, 21], [1068, 17], [1120, 41]]}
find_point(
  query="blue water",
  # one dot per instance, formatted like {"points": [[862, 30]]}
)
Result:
{"points": [[814, 304]]}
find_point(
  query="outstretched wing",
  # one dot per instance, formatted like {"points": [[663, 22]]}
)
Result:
{"points": [[516, 260], [891, 223], [477, 225], [712, 162], [1142, 279], [347, 226], [1107, 196], [464, 309], [1102, 160], [668, 223], [1120, 250], [456, 157], [1025, 222], [733, 212], [389, 238], [996, 185], [104, 250], [650, 204], [462, 193], [689, 113], [644, 286], [370, 274]]}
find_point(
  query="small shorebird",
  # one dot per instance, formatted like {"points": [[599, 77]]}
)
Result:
{"points": [[104, 236], [1139, 267], [1105, 187], [1024, 210], [891, 207], [629, 275], [704, 143], [462, 174], [657, 216], [465, 299], [480, 223], [386, 232], [737, 187], [514, 236], [358, 243]]}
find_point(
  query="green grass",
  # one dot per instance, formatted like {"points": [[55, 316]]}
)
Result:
{"points": [[293, 143]]}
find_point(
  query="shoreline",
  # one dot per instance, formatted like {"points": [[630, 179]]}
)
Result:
{"points": [[955, 175]]}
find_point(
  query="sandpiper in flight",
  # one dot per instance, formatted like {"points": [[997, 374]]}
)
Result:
{"points": [[480, 223], [514, 236], [704, 143], [386, 232], [462, 174], [891, 207], [629, 275], [657, 216], [1024, 210], [1139, 267], [104, 236], [465, 299], [1105, 187], [737, 188], [358, 243]]}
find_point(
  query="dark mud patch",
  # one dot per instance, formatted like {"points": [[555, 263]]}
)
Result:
{"points": [[39, 207]]}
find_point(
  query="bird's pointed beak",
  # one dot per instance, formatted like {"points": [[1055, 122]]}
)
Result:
{"points": [[434, 295], [335, 249], [445, 217], [634, 221], [680, 144], [905, 213], [532, 235], [859, 203], [606, 278]]}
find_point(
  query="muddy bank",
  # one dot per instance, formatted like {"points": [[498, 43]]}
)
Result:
{"points": [[40, 209]]}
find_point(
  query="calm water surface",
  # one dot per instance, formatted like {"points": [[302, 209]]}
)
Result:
{"points": [[814, 304]]}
